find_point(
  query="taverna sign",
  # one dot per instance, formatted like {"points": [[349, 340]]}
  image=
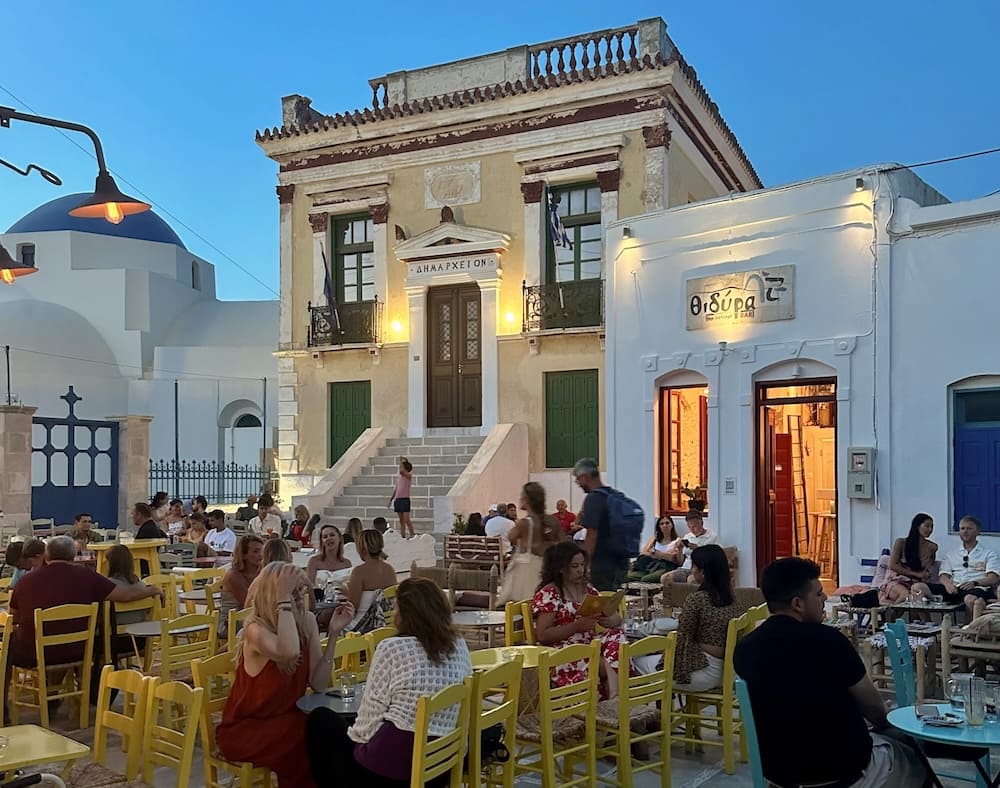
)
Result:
{"points": [[757, 296]]}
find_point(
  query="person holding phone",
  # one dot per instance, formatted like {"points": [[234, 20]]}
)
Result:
{"points": [[277, 656], [698, 535]]}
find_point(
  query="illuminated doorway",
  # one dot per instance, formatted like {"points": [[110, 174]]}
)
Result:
{"points": [[797, 473], [683, 440]]}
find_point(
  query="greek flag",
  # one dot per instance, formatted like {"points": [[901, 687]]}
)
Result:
{"points": [[331, 301], [559, 235]]}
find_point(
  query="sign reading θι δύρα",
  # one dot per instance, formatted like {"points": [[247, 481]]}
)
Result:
{"points": [[757, 296]]}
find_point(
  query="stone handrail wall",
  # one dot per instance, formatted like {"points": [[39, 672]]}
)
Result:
{"points": [[494, 474], [332, 483]]}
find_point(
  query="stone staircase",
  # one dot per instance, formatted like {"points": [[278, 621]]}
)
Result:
{"points": [[438, 460]]}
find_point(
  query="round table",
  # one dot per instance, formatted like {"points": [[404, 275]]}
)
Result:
{"points": [[471, 618], [142, 550], [986, 735], [345, 707], [486, 658], [198, 595]]}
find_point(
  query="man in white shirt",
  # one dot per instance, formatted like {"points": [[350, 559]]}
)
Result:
{"points": [[698, 534], [498, 525], [218, 537], [969, 573], [266, 522]]}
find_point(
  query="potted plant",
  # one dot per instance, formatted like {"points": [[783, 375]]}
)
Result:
{"points": [[458, 524], [695, 496]]}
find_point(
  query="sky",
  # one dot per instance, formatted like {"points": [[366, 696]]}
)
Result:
{"points": [[176, 91]]}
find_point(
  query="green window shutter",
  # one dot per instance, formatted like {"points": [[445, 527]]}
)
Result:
{"points": [[350, 415], [572, 417]]}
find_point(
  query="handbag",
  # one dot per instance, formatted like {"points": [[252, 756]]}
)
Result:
{"points": [[491, 747], [525, 571]]}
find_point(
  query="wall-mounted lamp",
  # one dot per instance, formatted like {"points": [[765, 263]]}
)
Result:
{"points": [[10, 268], [107, 201], [626, 232], [859, 184], [397, 327], [722, 347], [510, 318]]}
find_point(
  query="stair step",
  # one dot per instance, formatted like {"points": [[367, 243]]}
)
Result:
{"points": [[423, 461], [382, 494], [386, 481], [437, 440], [439, 469], [411, 452]]}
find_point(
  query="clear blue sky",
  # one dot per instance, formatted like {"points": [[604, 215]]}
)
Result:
{"points": [[176, 90]]}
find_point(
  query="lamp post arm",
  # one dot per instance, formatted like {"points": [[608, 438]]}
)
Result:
{"points": [[7, 114]]}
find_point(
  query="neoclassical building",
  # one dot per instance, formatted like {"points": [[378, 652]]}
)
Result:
{"points": [[426, 287]]}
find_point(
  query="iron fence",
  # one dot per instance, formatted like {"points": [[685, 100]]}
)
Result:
{"points": [[346, 324], [220, 482], [575, 304]]}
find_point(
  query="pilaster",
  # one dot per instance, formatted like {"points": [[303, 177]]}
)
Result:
{"points": [[489, 290], [15, 465], [285, 307], [416, 296], [320, 223], [133, 464], [534, 235], [655, 191]]}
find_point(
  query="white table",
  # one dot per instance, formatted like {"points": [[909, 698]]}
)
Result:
{"points": [[471, 618], [346, 707]]}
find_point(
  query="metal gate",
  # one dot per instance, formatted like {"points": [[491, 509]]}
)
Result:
{"points": [[74, 467]]}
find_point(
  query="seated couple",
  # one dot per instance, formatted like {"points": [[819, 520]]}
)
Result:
{"points": [[279, 655], [701, 636], [968, 575]]}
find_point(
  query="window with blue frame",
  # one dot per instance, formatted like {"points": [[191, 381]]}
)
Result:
{"points": [[976, 461]]}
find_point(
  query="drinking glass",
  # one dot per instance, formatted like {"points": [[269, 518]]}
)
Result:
{"points": [[975, 702], [508, 654], [348, 683], [483, 616], [957, 690], [991, 697], [3, 746]]}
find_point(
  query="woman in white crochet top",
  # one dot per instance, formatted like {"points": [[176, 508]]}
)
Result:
{"points": [[427, 656]]}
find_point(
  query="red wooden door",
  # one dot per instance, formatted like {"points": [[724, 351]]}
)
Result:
{"points": [[784, 521]]}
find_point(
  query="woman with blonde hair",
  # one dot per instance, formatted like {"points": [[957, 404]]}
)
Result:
{"points": [[278, 655], [367, 581], [277, 550], [531, 536], [296, 530], [426, 656]]}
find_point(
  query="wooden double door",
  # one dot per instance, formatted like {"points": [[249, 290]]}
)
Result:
{"points": [[454, 357]]}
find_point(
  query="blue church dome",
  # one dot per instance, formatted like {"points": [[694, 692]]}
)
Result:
{"points": [[54, 215]]}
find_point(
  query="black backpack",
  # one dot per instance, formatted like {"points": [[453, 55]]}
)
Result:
{"points": [[625, 523]]}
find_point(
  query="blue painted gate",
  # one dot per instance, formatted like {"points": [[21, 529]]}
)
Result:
{"points": [[977, 475], [74, 467]]}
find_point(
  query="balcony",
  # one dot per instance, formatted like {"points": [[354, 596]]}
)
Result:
{"points": [[346, 324], [560, 305]]}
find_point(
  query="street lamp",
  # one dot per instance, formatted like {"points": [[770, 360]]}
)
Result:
{"points": [[11, 268], [107, 201]]}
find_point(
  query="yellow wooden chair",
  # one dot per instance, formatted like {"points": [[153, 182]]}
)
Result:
{"points": [[209, 580], [169, 734], [376, 636], [518, 626], [691, 717], [5, 591], [109, 610], [170, 585], [215, 677], [133, 689], [757, 616], [433, 757], [30, 687], [234, 624], [495, 692], [565, 723], [352, 654], [184, 639], [5, 639], [633, 716]]}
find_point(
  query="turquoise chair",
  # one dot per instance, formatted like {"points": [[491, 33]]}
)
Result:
{"points": [[897, 644], [756, 769]]}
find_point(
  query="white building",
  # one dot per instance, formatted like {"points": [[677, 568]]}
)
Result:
{"points": [[860, 386], [121, 312]]}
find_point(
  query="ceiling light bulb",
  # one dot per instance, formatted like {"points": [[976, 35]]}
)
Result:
{"points": [[7, 276], [113, 212]]}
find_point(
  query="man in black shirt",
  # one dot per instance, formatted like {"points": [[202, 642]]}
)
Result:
{"points": [[142, 517], [811, 695], [607, 567]]}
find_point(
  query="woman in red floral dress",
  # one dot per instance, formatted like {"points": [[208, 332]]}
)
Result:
{"points": [[564, 587]]}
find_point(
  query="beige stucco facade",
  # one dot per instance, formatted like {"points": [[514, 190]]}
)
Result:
{"points": [[453, 164]]}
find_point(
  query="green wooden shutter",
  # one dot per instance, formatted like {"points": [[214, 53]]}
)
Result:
{"points": [[572, 417], [350, 415]]}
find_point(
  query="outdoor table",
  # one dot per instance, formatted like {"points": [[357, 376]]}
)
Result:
{"points": [[644, 589], [142, 550], [345, 707], [487, 658], [477, 619], [922, 640], [965, 647], [986, 735], [183, 570], [196, 596], [28, 745]]}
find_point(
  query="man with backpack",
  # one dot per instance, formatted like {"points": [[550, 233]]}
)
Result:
{"points": [[614, 526]]}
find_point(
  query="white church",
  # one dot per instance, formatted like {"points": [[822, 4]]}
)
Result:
{"points": [[129, 317]]}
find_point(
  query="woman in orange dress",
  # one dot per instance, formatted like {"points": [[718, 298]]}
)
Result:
{"points": [[278, 655]]}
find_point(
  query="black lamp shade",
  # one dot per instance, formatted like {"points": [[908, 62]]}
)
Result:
{"points": [[108, 202], [10, 268]]}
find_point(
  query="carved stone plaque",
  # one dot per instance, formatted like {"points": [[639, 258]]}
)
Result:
{"points": [[452, 184]]}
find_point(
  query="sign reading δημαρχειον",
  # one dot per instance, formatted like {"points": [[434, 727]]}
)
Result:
{"points": [[474, 264], [757, 296]]}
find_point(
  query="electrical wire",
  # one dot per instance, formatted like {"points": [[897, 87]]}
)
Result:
{"points": [[148, 198], [943, 161], [173, 372]]}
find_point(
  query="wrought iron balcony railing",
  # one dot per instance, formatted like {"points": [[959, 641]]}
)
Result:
{"points": [[577, 304], [357, 323]]}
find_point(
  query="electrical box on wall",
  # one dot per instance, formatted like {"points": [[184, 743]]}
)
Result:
{"points": [[861, 472]]}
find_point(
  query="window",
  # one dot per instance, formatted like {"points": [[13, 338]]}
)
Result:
{"points": [[353, 259], [195, 275], [247, 420], [683, 447], [579, 208], [976, 462], [572, 417], [26, 254]]}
